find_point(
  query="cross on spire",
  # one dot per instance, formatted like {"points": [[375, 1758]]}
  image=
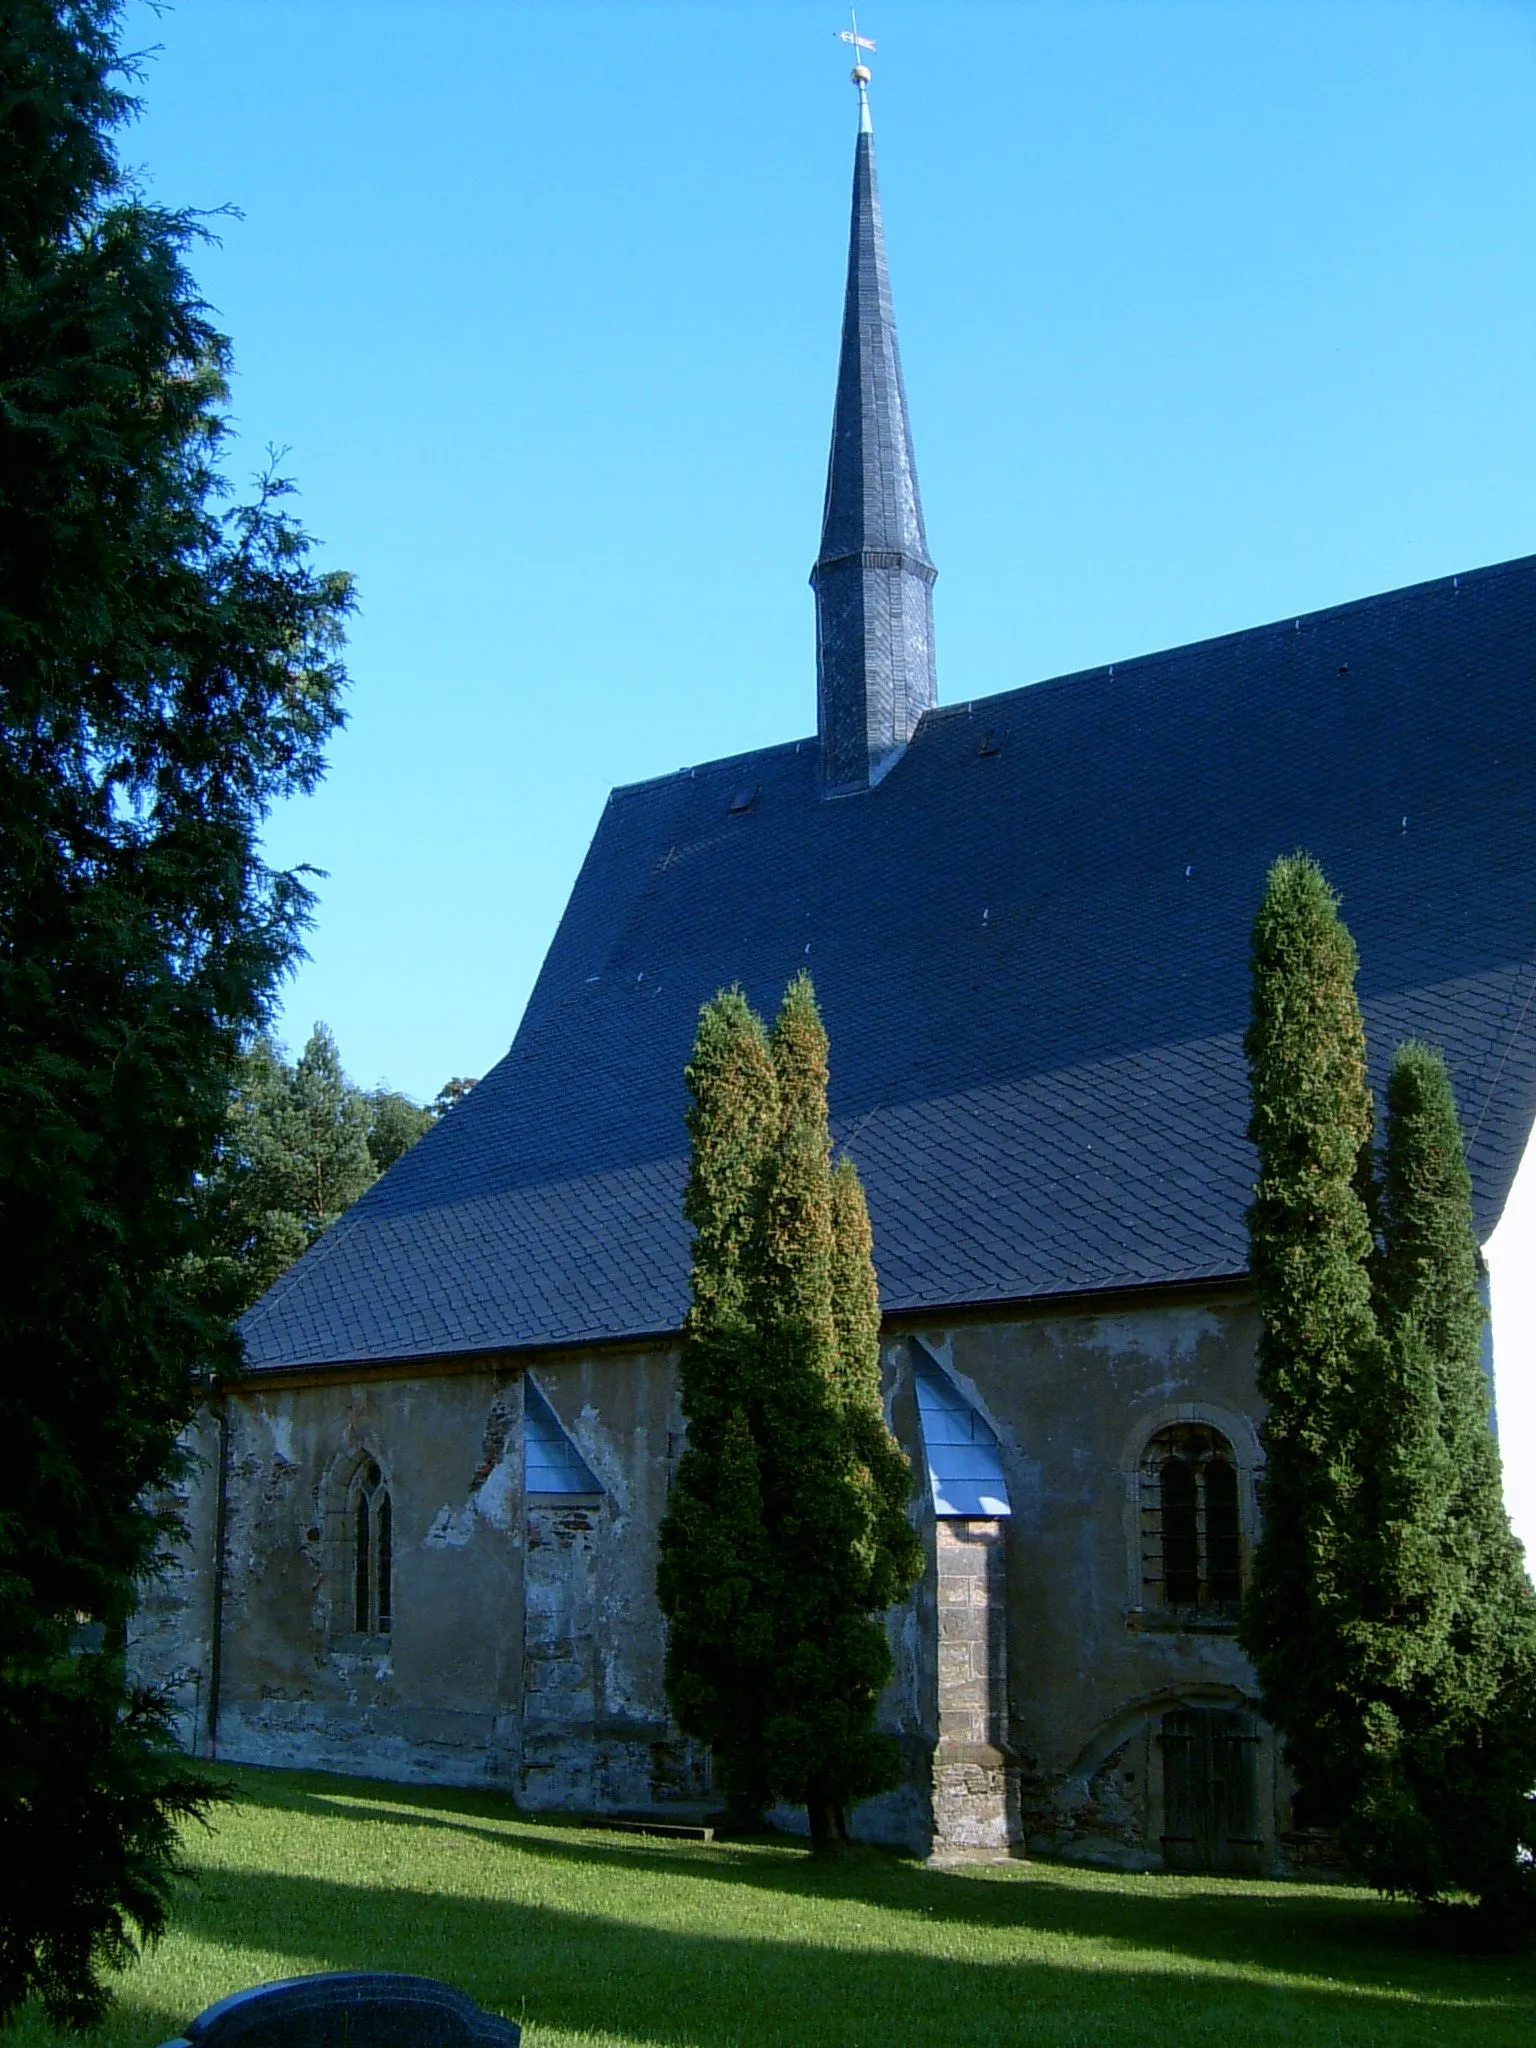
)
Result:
{"points": [[851, 35], [860, 73]]}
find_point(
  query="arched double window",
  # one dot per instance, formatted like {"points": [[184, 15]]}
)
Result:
{"points": [[1191, 1524], [372, 1541]]}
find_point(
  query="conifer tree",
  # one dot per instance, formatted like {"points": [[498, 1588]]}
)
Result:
{"points": [[1310, 1251], [715, 1565], [834, 1480], [786, 1534], [300, 1144], [1390, 1618], [895, 1554], [1448, 1636], [169, 670]]}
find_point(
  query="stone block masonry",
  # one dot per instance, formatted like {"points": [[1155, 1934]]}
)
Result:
{"points": [[975, 1799]]}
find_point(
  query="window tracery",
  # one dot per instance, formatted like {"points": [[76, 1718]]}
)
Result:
{"points": [[1191, 1524], [372, 1554]]}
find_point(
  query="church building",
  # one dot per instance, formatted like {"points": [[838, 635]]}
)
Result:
{"points": [[423, 1528]]}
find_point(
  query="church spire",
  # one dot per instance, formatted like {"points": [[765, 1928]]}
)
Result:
{"points": [[873, 579]]}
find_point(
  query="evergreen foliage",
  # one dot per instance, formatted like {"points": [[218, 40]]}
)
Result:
{"points": [[452, 1093], [812, 1540], [1443, 1803], [169, 668], [714, 1566], [882, 1470], [1390, 1618], [1310, 1250], [301, 1142]]}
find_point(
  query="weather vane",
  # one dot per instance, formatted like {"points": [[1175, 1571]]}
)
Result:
{"points": [[861, 72]]}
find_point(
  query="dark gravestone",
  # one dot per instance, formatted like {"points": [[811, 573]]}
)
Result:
{"points": [[349, 2009]]}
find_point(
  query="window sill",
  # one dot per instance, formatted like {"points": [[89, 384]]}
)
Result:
{"points": [[361, 1646], [1151, 1622]]}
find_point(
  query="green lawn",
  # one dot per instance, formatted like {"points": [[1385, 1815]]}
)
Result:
{"points": [[614, 1939]]}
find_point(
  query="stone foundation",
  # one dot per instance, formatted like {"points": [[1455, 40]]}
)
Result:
{"points": [[974, 1801]]}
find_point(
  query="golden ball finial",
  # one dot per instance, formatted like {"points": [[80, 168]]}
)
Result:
{"points": [[861, 74]]}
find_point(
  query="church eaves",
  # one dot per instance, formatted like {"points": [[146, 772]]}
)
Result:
{"points": [[873, 579]]}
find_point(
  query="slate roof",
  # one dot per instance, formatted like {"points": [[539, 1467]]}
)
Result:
{"points": [[1030, 945]]}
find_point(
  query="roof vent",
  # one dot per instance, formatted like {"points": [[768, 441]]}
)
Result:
{"points": [[992, 742], [745, 797]]}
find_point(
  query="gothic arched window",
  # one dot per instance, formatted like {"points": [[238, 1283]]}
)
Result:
{"points": [[1191, 1530], [372, 1543]]}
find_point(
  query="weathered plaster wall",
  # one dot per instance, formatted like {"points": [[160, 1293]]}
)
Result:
{"points": [[170, 1639], [1029, 1678], [439, 1696], [595, 1729], [526, 1646], [1074, 1395]]}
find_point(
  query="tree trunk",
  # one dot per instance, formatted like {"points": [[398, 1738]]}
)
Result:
{"points": [[824, 1830]]}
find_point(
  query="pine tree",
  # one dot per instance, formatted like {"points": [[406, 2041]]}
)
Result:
{"points": [[834, 1481], [169, 669], [715, 1565], [300, 1144], [1320, 1352], [394, 1124], [1448, 1640], [327, 1139]]}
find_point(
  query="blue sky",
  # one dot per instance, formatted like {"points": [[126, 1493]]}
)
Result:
{"points": [[1211, 312]]}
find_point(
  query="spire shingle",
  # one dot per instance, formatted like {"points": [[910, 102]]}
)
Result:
{"points": [[873, 579]]}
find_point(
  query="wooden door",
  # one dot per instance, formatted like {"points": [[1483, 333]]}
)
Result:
{"points": [[1211, 1790]]}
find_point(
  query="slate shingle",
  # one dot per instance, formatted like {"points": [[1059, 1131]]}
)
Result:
{"points": [[1033, 965]]}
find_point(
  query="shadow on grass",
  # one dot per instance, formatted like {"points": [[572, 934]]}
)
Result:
{"points": [[584, 1973], [1182, 1962], [1275, 1926]]}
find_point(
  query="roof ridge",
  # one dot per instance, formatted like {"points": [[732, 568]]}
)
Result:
{"points": [[1288, 622], [1098, 671], [697, 768]]}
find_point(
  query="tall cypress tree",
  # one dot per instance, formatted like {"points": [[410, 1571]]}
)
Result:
{"points": [[1448, 1637], [715, 1564], [1320, 1352], [786, 1535], [1390, 1617], [835, 1482], [894, 1557]]}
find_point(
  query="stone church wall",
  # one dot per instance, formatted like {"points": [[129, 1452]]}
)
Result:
{"points": [[436, 1697], [172, 1634], [595, 1732], [1039, 1699], [524, 1645], [1075, 1394]]}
